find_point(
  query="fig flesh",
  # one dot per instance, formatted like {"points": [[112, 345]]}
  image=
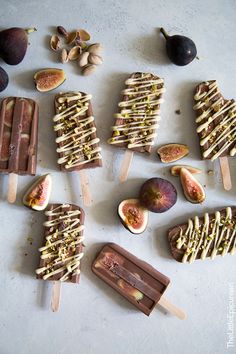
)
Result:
{"points": [[181, 50], [175, 170], [13, 44], [193, 190], [49, 79], [158, 195], [133, 216], [4, 79], [172, 152], [37, 196]]}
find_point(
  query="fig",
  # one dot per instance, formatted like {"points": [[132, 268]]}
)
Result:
{"points": [[133, 216], [172, 152], [130, 290], [3, 79], [158, 195], [181, 50], [49, 79], [37, 196], [13, 44], [193, 190], [175, 170]]}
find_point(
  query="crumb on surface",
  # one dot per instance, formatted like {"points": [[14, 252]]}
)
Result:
{"points": [[177, 111]]}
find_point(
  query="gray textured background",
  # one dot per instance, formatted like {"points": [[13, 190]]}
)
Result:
{"points": [[93, 319]]}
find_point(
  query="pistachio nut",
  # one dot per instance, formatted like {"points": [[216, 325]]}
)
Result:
{"points": [[88, 69]]}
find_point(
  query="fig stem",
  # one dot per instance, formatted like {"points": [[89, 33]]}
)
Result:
{"points": [[30, 30], [164, 33]]}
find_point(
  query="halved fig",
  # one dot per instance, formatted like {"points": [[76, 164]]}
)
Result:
{"points": [[158, 195], [49, 79], [172, 152], [175, 170], [133, 215], [37, 196], [193, 190]]}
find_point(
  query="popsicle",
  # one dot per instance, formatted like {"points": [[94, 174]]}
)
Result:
{"points": [[208, 236], [77, 142], [134, 279], [137, 121], [216, 126], [61, 255], [18, 140]]}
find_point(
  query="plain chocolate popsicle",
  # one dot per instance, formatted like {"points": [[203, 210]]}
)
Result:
{"points": [[137, 121], [136, 280], [77, 141], [216, 121], [60, 256], [18, 136], [208, 236]]}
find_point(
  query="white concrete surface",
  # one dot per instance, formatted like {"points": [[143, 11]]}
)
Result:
{"points": [[93, 319]]}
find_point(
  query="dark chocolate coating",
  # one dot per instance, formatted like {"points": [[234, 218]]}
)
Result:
{"points": [[88, 113], [142, 149], [79, 247], [18, 136], [128, 275], [174, 233], [202, 87]]}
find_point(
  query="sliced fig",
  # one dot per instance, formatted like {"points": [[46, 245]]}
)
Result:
{"points": [[193, 190], [130, 290], [158, 195], [49, 79], [175, 170], [172, 152], [37, 196], [133, 216]]}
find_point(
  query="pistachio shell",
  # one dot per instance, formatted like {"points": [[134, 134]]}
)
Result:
{"points": [[88, 69], [95, 48], [55, 43], [95, 59], [83, 35], [74, 53], [64, 56], [71, 37], [83, 59]]}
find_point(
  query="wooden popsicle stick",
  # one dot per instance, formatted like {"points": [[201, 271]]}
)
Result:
{"points": [[172, 308], [12, 187], [85, 190], [225, 172], [56, 295], [126, 163]]}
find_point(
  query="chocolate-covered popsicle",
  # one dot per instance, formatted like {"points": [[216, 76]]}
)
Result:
{"points": [[137, 121], [136, 280], [60, 256], [77, 141], [18, 135], [207, 236], [216, 121]]}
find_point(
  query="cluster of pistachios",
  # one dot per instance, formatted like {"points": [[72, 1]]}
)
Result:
{"points": [[76, 47]]}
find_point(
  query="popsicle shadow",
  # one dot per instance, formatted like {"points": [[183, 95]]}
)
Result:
{"points": [[105, 212], [185, 93]]}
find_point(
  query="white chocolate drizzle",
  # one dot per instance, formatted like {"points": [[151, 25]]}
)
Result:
{"points": [[139, 114], [75, 129], [223, 134], [211, 237], [62, 243]]}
